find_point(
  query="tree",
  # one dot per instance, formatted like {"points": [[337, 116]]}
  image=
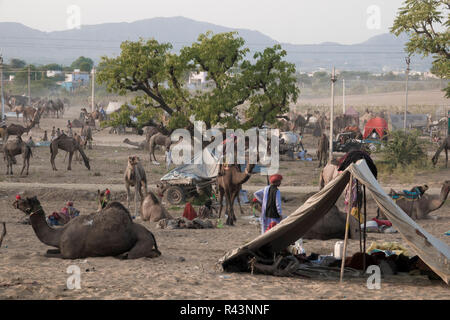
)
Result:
{"points": [[82, 63], [422, 20], [266, 86], [17, 63]]}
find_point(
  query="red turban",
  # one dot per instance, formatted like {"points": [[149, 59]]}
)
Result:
{"points": [[18, 197], [275, 178], [189, 212], [107, 192]]}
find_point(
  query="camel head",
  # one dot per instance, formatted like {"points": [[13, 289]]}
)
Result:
{"points": [[28, 205], [103, 198], [133, 161]]}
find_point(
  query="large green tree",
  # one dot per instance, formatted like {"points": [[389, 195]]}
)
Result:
{"points": [[265, 86], [426, 22], [83, 63]]}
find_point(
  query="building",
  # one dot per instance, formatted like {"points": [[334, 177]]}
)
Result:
{"points": [[53, 73], [198, 77], [76, 79]]}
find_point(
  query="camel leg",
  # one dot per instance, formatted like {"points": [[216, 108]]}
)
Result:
{"points": [[24, 165], [136, 190], [233, 198], [69, 168], [52, 160], [446, 157], [239, 202], [127, 186], [145, 246], [221, 192]]}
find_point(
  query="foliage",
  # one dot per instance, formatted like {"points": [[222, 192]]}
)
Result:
{"points": [[403, 148], [422, 20], [149, 68], [17, 63], [83, 63]]}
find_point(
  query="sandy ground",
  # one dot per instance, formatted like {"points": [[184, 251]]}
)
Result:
{"points": [[188, 267]]}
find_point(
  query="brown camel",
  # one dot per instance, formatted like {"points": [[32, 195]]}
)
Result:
{"points": [[332, 226], [135, 177], [300, 122], [110, 232], [322, 150], [421, 208], [141, 146], [13, 147], [230, 181], [69, 145], [444, 146], [86, 134], [328, 173], [82, 142], [18, 130], [152, 209], [160, 140]]}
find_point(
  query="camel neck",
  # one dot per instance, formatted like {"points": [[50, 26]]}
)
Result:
{"points": [[44, 232]]}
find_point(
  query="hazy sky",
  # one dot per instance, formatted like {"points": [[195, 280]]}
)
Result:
{"points": [[294, 21]]}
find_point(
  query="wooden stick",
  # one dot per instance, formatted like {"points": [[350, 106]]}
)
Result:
{"points": [[364, 231], [347, 226], [3, 234]]}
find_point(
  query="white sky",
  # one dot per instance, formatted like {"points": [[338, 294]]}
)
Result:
{"points": [[293, 21]]}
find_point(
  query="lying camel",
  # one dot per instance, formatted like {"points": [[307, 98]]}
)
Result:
{"points": [[110, 232], [422, 207], [332, 226], [152, 209]]}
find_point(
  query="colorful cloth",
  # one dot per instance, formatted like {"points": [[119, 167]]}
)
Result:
{"points": [[189, 212]]}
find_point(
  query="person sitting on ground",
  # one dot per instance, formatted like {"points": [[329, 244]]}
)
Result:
{"points": [[64, 216], [207, 210], [45, 138], [270, 198], [58, 132]]}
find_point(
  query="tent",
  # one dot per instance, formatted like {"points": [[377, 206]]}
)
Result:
{"points": [[113, 107], [432, 251], [351, 112], [378, 124]]}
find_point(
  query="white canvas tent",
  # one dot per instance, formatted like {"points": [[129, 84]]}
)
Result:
{"points": [[432, 251], [113, 107]]}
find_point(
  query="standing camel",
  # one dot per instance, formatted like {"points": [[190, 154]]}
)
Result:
{"points": [[160, 140], [300, 122], [230, 183], [13, 147], [444, 146], [69, 145], [322, 150], [421, 208], [135, 177]]}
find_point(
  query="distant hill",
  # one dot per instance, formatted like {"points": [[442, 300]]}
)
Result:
{"points": [[382, 52]]}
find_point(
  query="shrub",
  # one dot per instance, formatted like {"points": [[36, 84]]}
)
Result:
{"points": [[403, 149]]}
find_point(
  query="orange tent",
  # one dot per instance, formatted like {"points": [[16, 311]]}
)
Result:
{"points": [[378, 124]]}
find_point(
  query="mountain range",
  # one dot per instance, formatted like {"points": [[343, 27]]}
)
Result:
{"points": [[383, 52]]}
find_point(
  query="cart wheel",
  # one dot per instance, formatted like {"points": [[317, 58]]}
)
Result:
{"points": [[175, 195]]}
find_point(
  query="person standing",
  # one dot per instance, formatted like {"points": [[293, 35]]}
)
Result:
{"points": [[53, 134], [270, 198]]}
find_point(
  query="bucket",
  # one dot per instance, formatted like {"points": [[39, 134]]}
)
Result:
{"points": [[338, 249]]}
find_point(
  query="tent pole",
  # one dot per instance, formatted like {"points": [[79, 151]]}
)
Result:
{"points": [[358, 203], [347, 226], [364, 231]]}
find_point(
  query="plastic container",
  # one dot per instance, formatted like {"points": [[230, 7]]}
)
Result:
{"points": [[338, 249]]}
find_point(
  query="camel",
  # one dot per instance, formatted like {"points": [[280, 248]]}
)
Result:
{"points": [[328, 173], [135, 176], [444, 146], [82, 142], [322, 150], [160, 140], [421, 208], [18, 130], [13, 147], [332, 226], [110, 232], [69, 145], [152, 209], [103, 198], [301, 122], [141, 146], [86, 133], [230, 182]]}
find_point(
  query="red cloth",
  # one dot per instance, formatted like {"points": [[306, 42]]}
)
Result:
{"points": [[189, 212], [271, 225], [378, 124], [383, 222], [276, 177]]}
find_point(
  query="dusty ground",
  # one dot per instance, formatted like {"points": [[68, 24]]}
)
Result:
{"points": [[188, 266]]}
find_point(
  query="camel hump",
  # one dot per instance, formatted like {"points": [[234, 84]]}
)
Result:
{"points": [[116, 205]]}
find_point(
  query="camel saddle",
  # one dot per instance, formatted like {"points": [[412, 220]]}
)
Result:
{"points": [[414, 194]]}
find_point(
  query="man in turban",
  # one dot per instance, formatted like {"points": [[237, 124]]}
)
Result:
{"points": [[270, 198]]}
